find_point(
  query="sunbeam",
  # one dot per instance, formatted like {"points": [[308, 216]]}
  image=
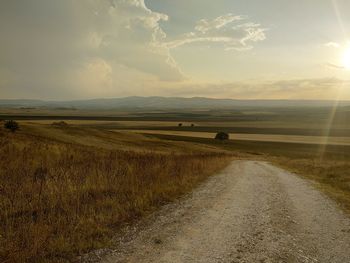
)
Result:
{"points": [[346, 65], [330, 121]]}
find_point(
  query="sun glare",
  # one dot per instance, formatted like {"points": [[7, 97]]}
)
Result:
{"points": [[346, 58]]}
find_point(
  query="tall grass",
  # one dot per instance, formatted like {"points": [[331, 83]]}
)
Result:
{"points": [[59, 200]]}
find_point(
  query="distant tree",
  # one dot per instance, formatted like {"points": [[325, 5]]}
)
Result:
{"points": [[180, 124], [60, 124], [222, 136], [11, 125]]}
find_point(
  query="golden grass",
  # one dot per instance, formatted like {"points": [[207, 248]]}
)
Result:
{"points": [[331, 173], [65, 190], [105, 139], [59, 199], [331, 176]]}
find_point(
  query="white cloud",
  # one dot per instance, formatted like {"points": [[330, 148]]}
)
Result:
{"points": [[333, 66], [332, 45], [129, 33], [234, 32], [49, 45], [206, 25], [64, 49]]}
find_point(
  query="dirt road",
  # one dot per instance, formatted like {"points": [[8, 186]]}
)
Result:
{"points": [[251, 212]]}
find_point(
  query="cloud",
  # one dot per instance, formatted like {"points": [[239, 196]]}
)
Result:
{"points": [[334, 66], [323, 88], [137, 42], [332, 45], [233, 31], [206, 25], [49, 45], [65, 49]]}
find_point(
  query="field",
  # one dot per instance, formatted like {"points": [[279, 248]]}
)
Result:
{"points": [[65, 189], [255, 137]]}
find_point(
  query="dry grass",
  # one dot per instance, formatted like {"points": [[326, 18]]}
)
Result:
{"points": [[58, 200], [255, 137], [330, 170], [100, 138], [332, 176]]}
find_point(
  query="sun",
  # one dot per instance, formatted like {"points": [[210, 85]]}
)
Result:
{"points": [[346, 59]]}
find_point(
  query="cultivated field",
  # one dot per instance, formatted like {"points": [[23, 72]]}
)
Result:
{"points": [[256, 137]]}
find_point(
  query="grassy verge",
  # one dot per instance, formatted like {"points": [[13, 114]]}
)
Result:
{"points": [[332, 176], [58, 200], [328, 166]]}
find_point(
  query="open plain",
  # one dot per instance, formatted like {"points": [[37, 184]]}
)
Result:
{"points": [[73, 185]]}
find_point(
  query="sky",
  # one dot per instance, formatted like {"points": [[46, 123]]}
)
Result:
{"points": [[251, 49]]}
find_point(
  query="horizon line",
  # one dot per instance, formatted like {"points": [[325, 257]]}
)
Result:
{"points": [[167, 97]]}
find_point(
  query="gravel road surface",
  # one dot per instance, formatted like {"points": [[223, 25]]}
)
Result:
{"points": [[250, 212]]}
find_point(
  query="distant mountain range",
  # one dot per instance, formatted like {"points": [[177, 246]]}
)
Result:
{"points": [[165, 103]]}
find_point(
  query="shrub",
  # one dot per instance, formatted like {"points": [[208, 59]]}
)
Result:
{"points": [[180, 124], [222, 136], [11, 125], [60, 123]]}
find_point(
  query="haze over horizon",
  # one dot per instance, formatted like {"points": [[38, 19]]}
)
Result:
{"points": [[68, 50]]}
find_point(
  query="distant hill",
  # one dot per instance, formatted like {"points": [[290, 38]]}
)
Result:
{"points": [[166, 103]]}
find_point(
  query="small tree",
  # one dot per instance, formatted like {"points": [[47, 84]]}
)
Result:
{"points": [[180, 124], [222, 136], [11, 125], [60, 124]]}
